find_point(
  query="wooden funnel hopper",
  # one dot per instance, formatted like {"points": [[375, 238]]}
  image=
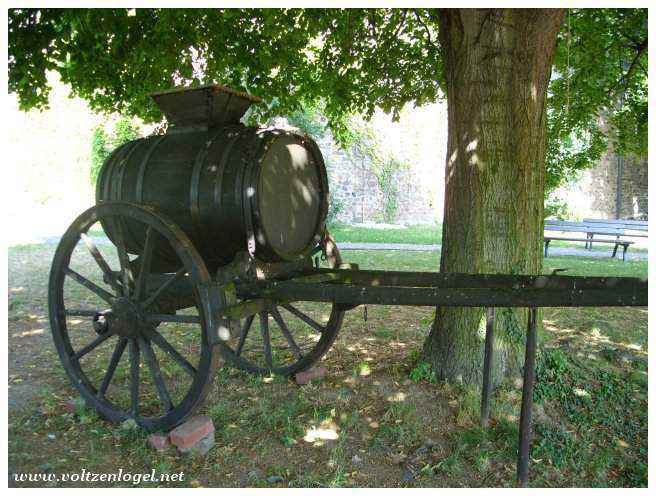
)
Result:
{"points": [[202, 108]]}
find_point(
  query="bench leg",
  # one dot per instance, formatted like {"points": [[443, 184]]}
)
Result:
{"points": [[546, 247], [588, 243], [626, 247], [615, 250]]}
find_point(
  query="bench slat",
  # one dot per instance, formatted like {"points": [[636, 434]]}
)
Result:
{"points": [[586, 229], [613, 241], [628, 222]]}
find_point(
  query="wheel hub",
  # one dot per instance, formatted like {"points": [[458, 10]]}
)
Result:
{"points": [[126, 319]]}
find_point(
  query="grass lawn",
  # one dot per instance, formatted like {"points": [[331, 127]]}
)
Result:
{"points": [[416, 235], [432, 235], [391, 425]]}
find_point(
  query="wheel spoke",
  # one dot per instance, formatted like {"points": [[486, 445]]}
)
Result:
{"points": [[308, 320], [111, 368], [104, 266], [266, 339], [123, 258], [159, 340], [153, 297], [285, 331], [93, 345], [134, 377], [93, 287], [153, 366], [145, 261], [180, 319], [244, 333]]}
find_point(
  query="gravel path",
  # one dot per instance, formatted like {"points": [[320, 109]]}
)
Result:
{"points": [[553, 251]]}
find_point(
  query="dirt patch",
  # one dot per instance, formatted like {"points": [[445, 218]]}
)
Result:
{"points": [[365, 425]]}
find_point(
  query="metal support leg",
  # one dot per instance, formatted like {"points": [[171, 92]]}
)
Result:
{"points": [[527, 400], [487, 366], [615, 250], [546, 247], [626, 247]]}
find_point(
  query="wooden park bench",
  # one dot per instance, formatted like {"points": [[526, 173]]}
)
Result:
{"points": [[589, 229], [632, 228]]}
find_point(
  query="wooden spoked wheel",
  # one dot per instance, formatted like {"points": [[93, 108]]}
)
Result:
{"points": [[127, 352], [288, 337]]}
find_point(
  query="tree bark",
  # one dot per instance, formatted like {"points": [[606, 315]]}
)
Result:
{"points": [[497, 65]]}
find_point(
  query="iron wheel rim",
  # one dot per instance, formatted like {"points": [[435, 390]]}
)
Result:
{"points": [[196, 270]]}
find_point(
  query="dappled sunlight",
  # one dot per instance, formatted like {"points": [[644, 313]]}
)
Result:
{"points": [[372, 423], [398, 345], [581, 392], [364, 406], [318, 435], [397, 397], [475, 161], [613, 334], [27, 333], [596, 337]]}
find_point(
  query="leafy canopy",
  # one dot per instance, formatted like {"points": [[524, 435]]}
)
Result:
{"points": [[102, 143], [598, 89], [353, 60]]}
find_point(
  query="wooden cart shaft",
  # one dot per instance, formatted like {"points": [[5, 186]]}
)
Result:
{"points": [[353, 287]]}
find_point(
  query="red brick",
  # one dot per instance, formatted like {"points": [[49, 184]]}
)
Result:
{"points": [[193, 430], [201, 447], [158, 441], [309, 375]]}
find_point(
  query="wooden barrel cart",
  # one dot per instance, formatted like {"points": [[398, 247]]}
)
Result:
{"points": [[218, 253]]}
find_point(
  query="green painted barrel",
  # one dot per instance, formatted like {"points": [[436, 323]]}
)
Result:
{"points": [[229, 187]]}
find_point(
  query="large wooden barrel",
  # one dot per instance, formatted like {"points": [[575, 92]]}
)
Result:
{"points": [[223, 185]]}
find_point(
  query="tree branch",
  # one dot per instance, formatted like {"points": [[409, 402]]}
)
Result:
{"points": [[398, 29], [624, 80], [423, 24]]}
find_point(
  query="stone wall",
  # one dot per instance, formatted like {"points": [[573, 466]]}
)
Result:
{"points": [[634, 189], [355, 187], [417, 140], [594, 194]]}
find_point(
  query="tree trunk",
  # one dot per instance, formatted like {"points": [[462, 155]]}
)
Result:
{"points": [[497, 65]]}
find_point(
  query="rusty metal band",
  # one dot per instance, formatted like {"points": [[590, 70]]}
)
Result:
{"points": [[108, 181], [143, 166], [101, 182], [249, 182], [218, 178], [194, 193], [128, 235], [325, 189], [118, 189], [118, 154]]}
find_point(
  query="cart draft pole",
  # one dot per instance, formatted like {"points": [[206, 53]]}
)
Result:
{"points": [[353, 287]]}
